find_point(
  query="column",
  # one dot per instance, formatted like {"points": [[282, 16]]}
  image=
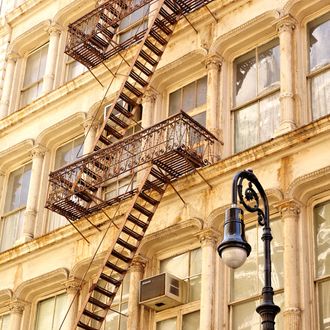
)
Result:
{"points": [[208, 239], [90, 127], [16, 312], [213, 113], [73, 286], [7, 85], [285, 29], [136, 274], [290, 214], [148, 104], [38, 153], [54, 37]]}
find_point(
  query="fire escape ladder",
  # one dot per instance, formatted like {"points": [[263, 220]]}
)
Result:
{"points": [[119, 256], [120, 115]]}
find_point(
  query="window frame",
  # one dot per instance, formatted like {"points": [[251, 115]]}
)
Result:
{"points": [[273, 89], [311, 74], [23, 88]]}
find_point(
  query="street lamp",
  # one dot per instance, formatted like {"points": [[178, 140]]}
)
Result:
{"points": [[234, 249]]}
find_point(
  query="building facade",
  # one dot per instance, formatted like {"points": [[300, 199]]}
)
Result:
{"points": [[256, 74]]}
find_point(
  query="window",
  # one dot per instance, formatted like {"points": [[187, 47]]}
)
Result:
{"points": [[74, 69], [134, 23], [118, 321], [319, 66], [4, 321], [190, 98], [256, 96], [34, 73], [51, 312], [322, 263], [186, 266], [66, 154], [120, 187], [247, 281], [16, 198]]}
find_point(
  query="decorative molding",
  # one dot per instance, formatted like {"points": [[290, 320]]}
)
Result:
{"points": [[17, 306], [138, 264], [73, 285], [150, 95], [289, 208], [213, 61], [12, 56], [38, 151], [90, 123], [54, 29], [208, 236]]}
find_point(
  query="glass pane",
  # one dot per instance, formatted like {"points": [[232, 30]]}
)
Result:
{"points": [[245, 278], [169, 324], [175, 102], [196, 262], [320, 94], [190, 321], [29, 95], [18, 187], [201, 118], [195, 288], [201, 91], [246, 78], [4, 322], [319, 46], [123, 319], [245, 317], [189, 97], [32, 68], [246, 134], [322, 238], [74, 69], [269, 108], [268, 66], [177, 266], [324, 305], [59, 311], [69, 152], [45, 310], [56, 221], [112, 320], [43, 60], [279, 301]]}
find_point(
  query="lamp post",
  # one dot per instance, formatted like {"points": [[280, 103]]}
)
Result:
{"points": [[234, 249]]}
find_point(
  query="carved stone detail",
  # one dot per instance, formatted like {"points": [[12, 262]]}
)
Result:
{"points": [[150, 95], [138, 264], [73, 285], [17, 306], [213, 62], [208, 236], [289, 208], [286, 24], [38, 151], [54, 29]]}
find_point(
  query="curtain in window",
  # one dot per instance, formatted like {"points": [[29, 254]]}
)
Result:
{"points": [[320, 86], [4, 322]]}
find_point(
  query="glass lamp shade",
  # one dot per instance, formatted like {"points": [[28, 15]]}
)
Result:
{"points": [[234, 249]]}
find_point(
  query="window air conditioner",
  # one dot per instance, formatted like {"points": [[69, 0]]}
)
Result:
{"points": [[162, 291]]}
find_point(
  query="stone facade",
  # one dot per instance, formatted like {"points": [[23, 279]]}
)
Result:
{"points": [[44, 261]]}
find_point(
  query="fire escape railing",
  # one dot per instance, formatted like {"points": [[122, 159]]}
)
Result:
{"points": [[177, 134]]}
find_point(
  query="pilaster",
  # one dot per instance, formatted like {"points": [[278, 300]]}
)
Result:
{"points": [[16, 308], [290, 210], [148, 103], [73, 287], [90, 128]]}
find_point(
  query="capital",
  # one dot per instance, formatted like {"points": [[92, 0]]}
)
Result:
{"points": [[73, 285], [12, 56], [138, 264], [54, 29], [38, 151], [208, 236], [90, 123], [289, 208], [286, 24], [213, 61], [17, 306], [150, 95]]}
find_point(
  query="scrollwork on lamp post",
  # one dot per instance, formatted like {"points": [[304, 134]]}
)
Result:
{"points": [[234, 249]]}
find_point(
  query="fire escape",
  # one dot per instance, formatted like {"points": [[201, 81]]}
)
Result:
{"points": [[156, 156]]}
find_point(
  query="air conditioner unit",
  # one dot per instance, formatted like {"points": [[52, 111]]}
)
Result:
{"points": [[162, 291]]}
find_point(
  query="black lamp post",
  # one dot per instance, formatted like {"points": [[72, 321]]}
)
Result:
{"points": [[234, 249]]}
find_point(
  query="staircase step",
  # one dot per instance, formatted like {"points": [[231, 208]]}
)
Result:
{"points": [[118, 121], [91, 173], [115, 268], [148, 199], [159, 175], [85, 326], [87, 185], [143, 68], [126, 245], [171, 5], [138, 79], [111, 131], [120, 256], [162, 26], [123, 111], [148, 58], [110, 279], [132, 233], [104, 291], [143, 210], [97, 302], [103, 139], [158, 37], [137, 221], [93, 315], [83, 195], [98, 42], [105, 31], [127, 99], [153, 48], [133, 89], [171, 19], [151, 185]]}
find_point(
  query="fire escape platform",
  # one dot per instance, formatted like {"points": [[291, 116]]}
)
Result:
{"points": [[175, 147]]}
